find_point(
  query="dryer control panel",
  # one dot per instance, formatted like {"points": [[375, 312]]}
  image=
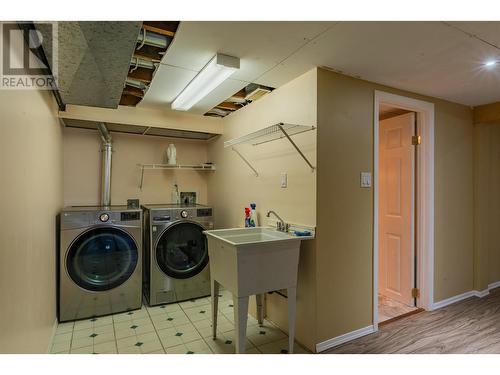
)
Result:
{"points": [[204, 212], [174, 214]]}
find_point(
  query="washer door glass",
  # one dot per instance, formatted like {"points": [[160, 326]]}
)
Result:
{"points": [[102, 259], [182, 251]]}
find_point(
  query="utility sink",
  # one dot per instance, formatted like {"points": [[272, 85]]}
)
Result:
{"points": [[253, 261], [251, 236]]}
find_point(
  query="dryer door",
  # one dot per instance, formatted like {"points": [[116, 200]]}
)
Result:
{"points": [[181, 250], [102, 258]]}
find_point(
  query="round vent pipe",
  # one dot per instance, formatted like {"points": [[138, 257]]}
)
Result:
{"points": [[107, 151]]}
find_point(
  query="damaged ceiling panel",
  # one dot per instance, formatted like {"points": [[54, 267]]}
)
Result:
{"points": [[151, 45], [245, 96], [93, 60]]}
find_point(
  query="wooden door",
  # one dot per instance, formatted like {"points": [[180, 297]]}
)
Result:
{"points": [[396, 192]]}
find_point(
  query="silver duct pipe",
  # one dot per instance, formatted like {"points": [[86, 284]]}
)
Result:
{"points": [[140, 63], [107, 151], [136, 83], [152, 39]]}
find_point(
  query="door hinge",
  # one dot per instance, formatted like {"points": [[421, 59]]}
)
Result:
{"points": [[416, 140], [415, 293]]}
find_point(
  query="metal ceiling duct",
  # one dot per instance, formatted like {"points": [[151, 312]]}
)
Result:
{"points": [[93, 60]]}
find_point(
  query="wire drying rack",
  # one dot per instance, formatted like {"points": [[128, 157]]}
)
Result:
{"points": [[269, 134], [195, 167]]}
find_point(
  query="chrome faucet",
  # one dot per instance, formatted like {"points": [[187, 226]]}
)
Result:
{"points": [[280, 225]]}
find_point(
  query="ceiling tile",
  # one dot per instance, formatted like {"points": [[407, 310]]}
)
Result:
{"points": [[423, 57], [488, 31], [167, 83], [259, 45], [430, 58]]}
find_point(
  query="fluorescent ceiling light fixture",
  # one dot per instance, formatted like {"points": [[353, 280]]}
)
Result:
{"points": [[218, 69], [490, 63]]}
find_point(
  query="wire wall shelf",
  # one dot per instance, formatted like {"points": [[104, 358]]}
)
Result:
{"points": [[192, 167], [269, 134]]}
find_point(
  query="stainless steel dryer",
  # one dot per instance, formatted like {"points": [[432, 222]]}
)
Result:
{"points": [[176, 252], [100, 261]]}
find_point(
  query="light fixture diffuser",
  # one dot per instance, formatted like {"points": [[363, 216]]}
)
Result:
{"points": [[218, 69]]}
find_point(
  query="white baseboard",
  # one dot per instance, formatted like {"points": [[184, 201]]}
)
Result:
{"points": [[454, 299], [53, 334], [460, 297], [336, 341], [494, 285], [481, 293]]}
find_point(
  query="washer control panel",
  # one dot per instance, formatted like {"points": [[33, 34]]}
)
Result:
{"points": [[118, 218], [83, 217]]}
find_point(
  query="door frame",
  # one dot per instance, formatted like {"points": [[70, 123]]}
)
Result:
{"points": [[425, 199]]}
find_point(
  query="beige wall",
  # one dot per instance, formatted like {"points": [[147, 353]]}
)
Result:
{"points": [[82, 168], [487, 205], [30, 197], [454, 200], [344, 249], [233, 186]]}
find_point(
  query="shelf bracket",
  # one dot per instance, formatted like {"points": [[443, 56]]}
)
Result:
{"points": [[246, 161], [142, 178], [280, 126]]}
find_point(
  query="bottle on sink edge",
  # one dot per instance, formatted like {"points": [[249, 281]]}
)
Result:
{"points": [[253, 215], [247, 217]]}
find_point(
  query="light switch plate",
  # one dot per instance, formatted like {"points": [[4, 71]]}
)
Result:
{"points": [[284, 179], [366, 179]]}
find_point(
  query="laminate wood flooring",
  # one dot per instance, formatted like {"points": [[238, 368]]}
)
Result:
{"points": [[469, 326]]}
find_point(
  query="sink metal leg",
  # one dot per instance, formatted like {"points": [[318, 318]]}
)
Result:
{"points": [[214, 296], [292, 293], [259, 298], [240, 322]]}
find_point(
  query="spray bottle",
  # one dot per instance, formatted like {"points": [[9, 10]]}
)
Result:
{"points": [[247, 217], [253, 216]]}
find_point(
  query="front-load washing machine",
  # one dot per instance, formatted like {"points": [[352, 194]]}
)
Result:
{"points": [[176, 252], [100, 261]]}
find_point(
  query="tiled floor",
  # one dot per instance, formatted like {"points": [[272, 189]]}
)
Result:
{"points": [[389, 308], [176, 328]]}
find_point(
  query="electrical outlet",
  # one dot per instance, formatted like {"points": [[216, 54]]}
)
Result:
{"points": [[366, 179], [284, 179]]}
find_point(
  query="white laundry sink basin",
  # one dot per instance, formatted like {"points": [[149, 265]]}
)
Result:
{"points": [[253, 261], [248, 236]]}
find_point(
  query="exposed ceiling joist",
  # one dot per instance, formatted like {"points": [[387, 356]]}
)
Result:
{"points": [[228, 105], [157, 30]]}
